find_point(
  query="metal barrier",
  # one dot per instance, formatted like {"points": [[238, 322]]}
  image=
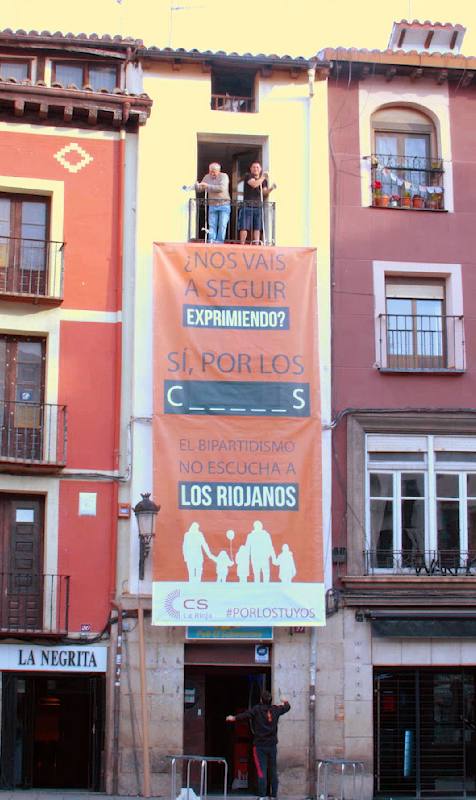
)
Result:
{"points": [[338, 766], [203, 761]]}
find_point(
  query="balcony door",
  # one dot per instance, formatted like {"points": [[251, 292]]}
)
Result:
{"points": [[21, 548], [22, 371], [416, 324], [23, 244]]}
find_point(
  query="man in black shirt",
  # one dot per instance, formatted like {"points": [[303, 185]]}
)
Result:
{"points": [[256, 189], [264, 719]]}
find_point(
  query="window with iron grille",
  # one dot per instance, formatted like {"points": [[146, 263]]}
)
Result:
{"points": [[415, 323], [22, 371], [24, 246], [421, 504], [406, 169]]}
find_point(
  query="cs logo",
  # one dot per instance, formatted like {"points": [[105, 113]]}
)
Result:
{"points": [[196, 605], [189, 604]]}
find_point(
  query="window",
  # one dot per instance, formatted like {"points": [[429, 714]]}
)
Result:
{"points": [[95, 75], [232, 90], [20, 70], [24, 246], [415, 323], [419, 322], [406, 171], [421, 504], [21, 549], [22, 375]]}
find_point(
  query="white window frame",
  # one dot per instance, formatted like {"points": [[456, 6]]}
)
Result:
{"points": [[434, 103], [450, 274], [430, 468]]}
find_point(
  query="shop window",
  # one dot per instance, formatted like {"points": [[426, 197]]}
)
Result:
{"points": [[97, 76], [421, 504], [233, 90], [406, 170], [13, 68]]}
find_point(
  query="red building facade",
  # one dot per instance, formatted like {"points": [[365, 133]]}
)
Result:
{"points": [[64, 119]]}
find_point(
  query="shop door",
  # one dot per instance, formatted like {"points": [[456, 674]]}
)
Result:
{"points": [[21, 548], [212, 692], [52, 731], [425, 732]]}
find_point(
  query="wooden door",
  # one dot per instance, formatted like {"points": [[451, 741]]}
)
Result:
{"points": [[22, 361], [24, 222], [21, 548]]}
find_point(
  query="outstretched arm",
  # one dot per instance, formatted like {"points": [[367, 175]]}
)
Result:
{"points": [[268, 189]]}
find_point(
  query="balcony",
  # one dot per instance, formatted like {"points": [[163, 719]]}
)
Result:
{"points": [[34, 604], [31, 270], [436, 563], [407, 182], [421, 343], [227, 102], [32, 435], [198, 222]]}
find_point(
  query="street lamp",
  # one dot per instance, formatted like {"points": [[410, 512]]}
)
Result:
{"points": [[146, 511]]}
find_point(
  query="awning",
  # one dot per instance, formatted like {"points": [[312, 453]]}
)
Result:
{"points": [[426, 623]]}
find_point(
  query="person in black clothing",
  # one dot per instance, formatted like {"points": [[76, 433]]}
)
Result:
{"points": [[264, 719], [256, 190]]}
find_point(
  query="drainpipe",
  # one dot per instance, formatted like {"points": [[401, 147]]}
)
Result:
{"points": [[116, 700], [311, 75], [312, 714], [144, 707]]}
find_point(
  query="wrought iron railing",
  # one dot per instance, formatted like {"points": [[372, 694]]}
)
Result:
{"points": [[199, 227], [422, 342], [34, 433], [34, 603], [227, 102], [31, 267], [411, 182], [429, 562]]}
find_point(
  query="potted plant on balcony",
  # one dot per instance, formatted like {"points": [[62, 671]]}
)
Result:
{"points": [[378, 198], [395, 201], [417, 201], [433, 201], [406, 200]]}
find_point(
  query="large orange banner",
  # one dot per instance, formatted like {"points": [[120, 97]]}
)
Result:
{"points": [[237, 461]]}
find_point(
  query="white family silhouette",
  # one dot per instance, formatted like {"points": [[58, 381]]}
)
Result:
{"points": [[258, 550]]}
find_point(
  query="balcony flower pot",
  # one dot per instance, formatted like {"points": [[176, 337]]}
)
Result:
{"points": [[417, 201], [433, 201], [395, 201], [407, 200], [378, 198]]}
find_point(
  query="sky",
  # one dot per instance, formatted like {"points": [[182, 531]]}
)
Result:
{"points": [[294, 27]]}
